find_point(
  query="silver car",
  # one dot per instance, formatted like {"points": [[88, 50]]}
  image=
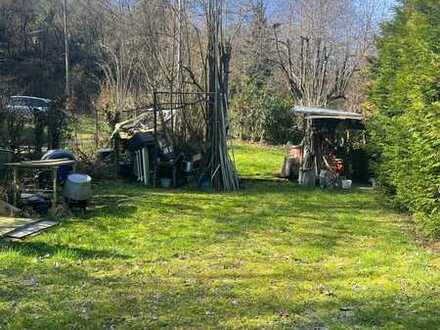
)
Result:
{"points": [[27, 105]]}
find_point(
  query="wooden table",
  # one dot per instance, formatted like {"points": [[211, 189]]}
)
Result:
{"points": [[54, 165]]}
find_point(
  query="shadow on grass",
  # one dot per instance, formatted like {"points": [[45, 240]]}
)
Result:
{"points": [[41, 249], [248, 180], [119, 211], [111, 204]]}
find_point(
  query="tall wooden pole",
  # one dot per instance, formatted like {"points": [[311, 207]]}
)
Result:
{"points": [[179, 43], [66, 48], [179, 76], [223, 175]]}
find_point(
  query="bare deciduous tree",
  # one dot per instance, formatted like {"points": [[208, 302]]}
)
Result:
{"points": [[322, 46], [118, 63]]}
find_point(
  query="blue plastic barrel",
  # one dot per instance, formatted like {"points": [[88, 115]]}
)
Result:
{"points": [[65, 170]]}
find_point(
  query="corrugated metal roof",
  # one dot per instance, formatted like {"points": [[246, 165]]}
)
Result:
{"points": [[322, 113]]}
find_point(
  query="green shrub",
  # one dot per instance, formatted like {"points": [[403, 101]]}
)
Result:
{"points": [[259, 115], [405, 96]]}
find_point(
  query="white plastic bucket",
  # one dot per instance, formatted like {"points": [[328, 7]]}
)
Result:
{"points": [[346, 184]]}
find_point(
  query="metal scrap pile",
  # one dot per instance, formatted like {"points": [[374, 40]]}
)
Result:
{"points": [[143, 123]]}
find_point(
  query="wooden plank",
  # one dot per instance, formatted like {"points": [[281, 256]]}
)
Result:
{"points": [[9, 224], [45, 163], [45, 160], [31, 229]]}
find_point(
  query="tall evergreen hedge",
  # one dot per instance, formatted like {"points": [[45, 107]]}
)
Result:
{"points": [[405, 97]]}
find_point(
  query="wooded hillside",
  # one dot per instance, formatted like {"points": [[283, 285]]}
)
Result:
{"points": [[119, 52]]}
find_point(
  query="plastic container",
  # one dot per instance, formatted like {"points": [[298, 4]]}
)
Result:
{"points": [[205, 183], [165, 182], [307, 178], [188, 166], [78, 187], [65, 170], [346, 184]]}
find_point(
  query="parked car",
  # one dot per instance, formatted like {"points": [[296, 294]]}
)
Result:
{"points": [[28, 104]]}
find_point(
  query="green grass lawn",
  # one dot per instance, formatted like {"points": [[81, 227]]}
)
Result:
{"points": [[258, 162], [272, 256]]}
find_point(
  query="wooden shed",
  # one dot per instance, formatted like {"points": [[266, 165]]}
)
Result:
{"points": [[326, 132]]}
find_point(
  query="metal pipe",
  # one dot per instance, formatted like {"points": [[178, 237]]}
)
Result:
{"points": [[138, 166], [141, 179], [146, 174]]}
